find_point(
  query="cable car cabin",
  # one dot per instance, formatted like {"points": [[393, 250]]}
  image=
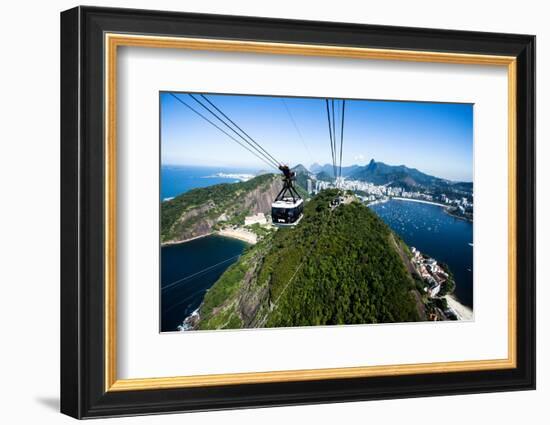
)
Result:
{"points": [[288, 206], [287, 211]]}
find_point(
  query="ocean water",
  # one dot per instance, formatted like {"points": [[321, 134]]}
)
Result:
{"points": [[188, 270], [177, 179], [437, 234]]}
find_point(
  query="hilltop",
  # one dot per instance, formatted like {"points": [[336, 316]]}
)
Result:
{"points": [[300, 169], [338, 266]]}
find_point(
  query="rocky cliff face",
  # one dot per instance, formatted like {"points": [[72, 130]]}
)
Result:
{"points": [[252, 295], [240, 199], [194, 223], [239, 299], [260, 199]]}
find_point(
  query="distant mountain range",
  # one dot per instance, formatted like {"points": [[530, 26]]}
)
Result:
{"points": [[327, 168], [380, 173]]}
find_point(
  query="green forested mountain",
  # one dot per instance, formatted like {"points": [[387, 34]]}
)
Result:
{"points": [[338, 266], [198, 211], [380, 173], [302, 176]]}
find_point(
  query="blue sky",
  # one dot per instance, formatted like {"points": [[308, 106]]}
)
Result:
{"points": [[436, 138]]}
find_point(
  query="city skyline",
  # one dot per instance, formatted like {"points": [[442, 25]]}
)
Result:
{"points": [[435, 138]]}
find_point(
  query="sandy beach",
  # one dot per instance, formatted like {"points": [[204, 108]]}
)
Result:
{"points": [[241, 234], [464, 313]]}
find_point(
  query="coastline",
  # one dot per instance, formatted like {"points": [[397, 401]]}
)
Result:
{"points": [[458, 216], [445, 207], [241, 235], [377, 202], [398, 198], [463, 312], [185, 240]]}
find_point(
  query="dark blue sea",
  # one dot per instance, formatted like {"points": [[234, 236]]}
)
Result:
{"points": [[435, 233], [177, 179], [188, 270]]}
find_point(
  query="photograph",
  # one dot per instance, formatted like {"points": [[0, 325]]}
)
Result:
{"points": [[260, 210], [301, 211]]}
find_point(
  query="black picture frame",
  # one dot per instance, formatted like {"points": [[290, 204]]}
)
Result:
{"points": [[83, 392]]}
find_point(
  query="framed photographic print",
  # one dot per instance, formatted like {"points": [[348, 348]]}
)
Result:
{"points": [[261, 212]]}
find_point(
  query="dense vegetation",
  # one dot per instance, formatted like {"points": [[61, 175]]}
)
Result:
{"points": [[338, 266], [214, 201], [449, 286]]}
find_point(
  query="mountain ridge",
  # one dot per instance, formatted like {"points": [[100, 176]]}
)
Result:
{"points": [[380, 173]]}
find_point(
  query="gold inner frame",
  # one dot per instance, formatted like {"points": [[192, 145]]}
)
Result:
{"points": [[113, 41]]}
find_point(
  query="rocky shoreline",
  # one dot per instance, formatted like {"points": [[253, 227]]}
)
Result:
{"points": [[168, 243], [460, 217]]}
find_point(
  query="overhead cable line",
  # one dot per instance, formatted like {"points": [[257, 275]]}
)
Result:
{"points": [[274, 162], [191, 276], [333, 109], [224, 132], [334, 140], [256, 145], [342, 135], [297, 129], [330, 136], [244, 132]]}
